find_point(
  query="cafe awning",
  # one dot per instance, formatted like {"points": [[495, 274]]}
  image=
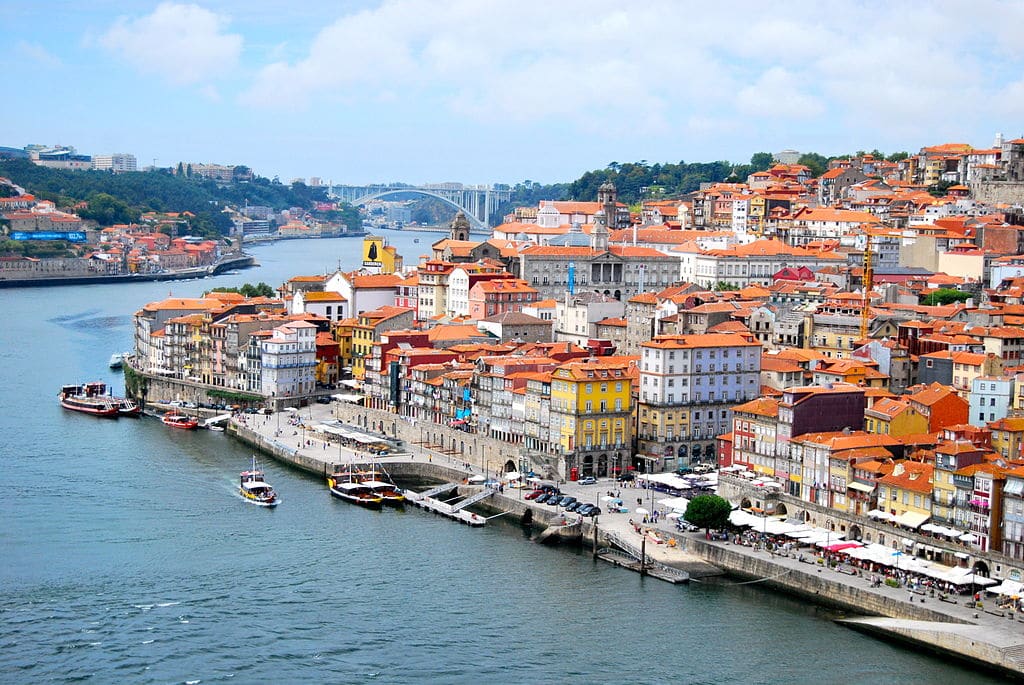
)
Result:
{"points": [[912, 519], [861, 487]]}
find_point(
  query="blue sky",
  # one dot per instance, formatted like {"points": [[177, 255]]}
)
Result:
{"points": [[483, 91]]}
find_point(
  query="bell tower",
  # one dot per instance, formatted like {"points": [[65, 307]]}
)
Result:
{"points": [[607, 197], [460, 227]]}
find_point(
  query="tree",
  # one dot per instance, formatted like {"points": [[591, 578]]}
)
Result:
{"points": [[818, 164], [708, 511], [761, 161], [261, 289], [944, 296]]}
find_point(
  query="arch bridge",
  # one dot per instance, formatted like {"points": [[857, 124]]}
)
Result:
{"points": [[476, 202]]}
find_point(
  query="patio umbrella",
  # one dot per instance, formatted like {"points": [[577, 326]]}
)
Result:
{"points": [[641, 510], [968, 537]]}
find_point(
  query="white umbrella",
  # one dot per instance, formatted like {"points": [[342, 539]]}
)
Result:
{"points": [[968, 537], [674, 515], [641, 510]]}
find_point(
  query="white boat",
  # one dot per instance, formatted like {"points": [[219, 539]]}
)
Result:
{"points": [[116, 360], [254, 488], [356, 493]]}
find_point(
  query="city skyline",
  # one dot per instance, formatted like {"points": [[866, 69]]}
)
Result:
{"points": [[500, 92]]}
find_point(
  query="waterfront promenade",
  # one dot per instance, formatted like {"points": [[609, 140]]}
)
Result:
{"points": [[986, 635]]}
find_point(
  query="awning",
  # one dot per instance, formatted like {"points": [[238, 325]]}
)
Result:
{"points": [[1008, 588], [912, 519], [861, 487], [879, 514], [1013, 487]]}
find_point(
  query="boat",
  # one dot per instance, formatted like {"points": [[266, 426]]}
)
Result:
{"points": [[128, 407], [351, 491], [116, 360], [254, 488], [180, 421], [388, 492], [90, 398]]}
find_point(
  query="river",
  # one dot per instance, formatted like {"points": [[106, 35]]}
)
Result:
{"points": [[127, 556]]}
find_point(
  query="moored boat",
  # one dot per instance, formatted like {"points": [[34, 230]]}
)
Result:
{"points": [[388, 492], [90, 398], [356, 493], [254, 488], [180, 421], [127, 407], [116, 360]]}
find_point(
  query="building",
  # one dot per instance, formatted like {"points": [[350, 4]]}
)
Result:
{"points": [[688, 387], [591, 410], [288, 360], [117, 162]]}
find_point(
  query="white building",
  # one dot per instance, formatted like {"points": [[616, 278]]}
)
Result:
{"points": [[990, 399], [117, 162], [288, 360], [688, 386]]}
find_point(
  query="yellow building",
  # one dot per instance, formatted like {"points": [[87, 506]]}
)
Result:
{"points": [[1008, 437], [380, 258], [906, 493], [888, 416], [591, 415]]}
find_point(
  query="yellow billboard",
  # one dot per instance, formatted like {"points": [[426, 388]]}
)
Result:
{"points": [[376, 255]]}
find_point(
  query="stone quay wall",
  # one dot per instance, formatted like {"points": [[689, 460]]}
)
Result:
{"points": [[486, 453], [812, 584]]}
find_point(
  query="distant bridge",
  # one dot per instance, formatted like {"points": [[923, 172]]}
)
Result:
{"points": [[476, 202]]}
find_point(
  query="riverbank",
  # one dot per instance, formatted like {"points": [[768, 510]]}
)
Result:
{"points": [[44, 278], [954, 628]]}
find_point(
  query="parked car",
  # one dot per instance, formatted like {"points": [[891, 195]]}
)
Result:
{"points": [[588, 480], [593, 512], [323, 400], [567, 500], [584, 508], [543, 497], [703, 468], [554, 500], [535, 494], [626, 477]]}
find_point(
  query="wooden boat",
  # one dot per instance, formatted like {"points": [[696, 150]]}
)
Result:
{"points": [[180, 421], [254, 488], [351, 491], [90, 398], [388, 492], [129, 408]]}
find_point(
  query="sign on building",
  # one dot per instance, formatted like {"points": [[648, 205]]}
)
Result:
{"points": [[69, 236]]}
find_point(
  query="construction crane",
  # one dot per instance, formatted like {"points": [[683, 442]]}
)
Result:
{"points": [[869, 275]]}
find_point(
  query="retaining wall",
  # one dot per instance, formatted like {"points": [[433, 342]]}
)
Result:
{"points": [[811, 584]]}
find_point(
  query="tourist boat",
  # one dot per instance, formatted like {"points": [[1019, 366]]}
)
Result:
{"points": [[180, 421], [254, 488], [91, 398], [351, 491], [116, 360], [130, 408], [388, 492]]}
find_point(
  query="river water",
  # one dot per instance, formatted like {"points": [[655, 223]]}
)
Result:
{"points": [[127, 556]]}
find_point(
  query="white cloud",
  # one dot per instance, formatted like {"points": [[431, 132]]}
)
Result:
{"points": [[658, 68], [185, 44], [38, 54], [777, 95]]}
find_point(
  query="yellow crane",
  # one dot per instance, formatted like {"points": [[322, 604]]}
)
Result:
{"points": [[868, 283]]}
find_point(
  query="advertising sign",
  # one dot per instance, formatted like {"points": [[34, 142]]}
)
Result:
{"points": [[69, 236]]}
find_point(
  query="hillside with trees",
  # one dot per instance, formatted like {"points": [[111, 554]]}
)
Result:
{"points": [[122, 198]]}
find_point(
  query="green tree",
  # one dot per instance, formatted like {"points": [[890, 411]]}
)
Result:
{"points": [[897, 156], [944, 296], [106, 210], [761, 161], [708, 511], [725, 285], [818, 164], [261, 289]]}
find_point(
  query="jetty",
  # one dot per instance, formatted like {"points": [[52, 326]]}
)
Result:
{"points": [[427, 500]]}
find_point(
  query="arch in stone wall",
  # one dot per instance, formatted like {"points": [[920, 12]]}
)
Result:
{"points": [[855, 533]]}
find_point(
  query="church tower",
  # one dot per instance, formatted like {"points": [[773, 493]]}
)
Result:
{"points": [[460, 227], [599, 236], [607, 197]]}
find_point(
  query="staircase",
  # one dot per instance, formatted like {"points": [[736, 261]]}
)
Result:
{"points": [[435, 491], [473, 499]]}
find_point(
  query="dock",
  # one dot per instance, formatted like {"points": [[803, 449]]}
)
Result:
{"points": [[457, 512]]}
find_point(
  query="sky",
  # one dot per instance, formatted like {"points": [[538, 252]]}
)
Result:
{"points": [[501, 91]]}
